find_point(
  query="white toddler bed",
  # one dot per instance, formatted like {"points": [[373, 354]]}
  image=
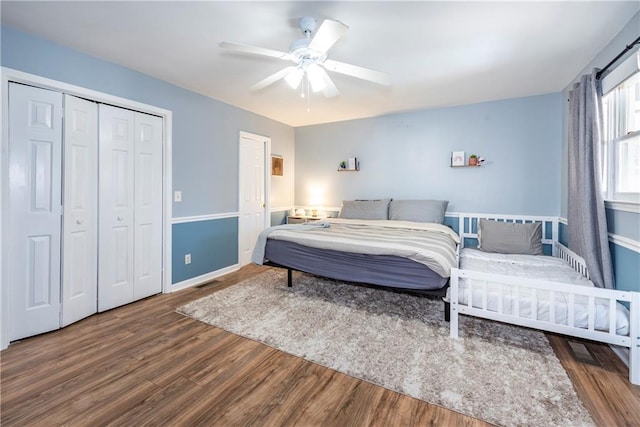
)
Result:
{"points": [[543, 292]]}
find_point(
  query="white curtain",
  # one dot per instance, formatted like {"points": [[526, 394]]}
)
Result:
{"points": [[587, 222]]}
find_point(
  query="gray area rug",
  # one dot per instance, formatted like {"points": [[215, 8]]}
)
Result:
{"points": [[498, 373]]}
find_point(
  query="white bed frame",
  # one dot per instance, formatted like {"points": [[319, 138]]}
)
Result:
{"points": [[468, 227]]}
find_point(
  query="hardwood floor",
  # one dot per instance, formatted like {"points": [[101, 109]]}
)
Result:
{"points": [[144, 364]]}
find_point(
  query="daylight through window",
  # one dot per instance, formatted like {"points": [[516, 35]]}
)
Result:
{"points": [[621, 144]]}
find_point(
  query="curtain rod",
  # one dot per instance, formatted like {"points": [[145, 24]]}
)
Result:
{"points": [[613, 61]]}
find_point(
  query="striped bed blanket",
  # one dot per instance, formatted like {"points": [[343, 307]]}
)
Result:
{"points": [[431, 244]]}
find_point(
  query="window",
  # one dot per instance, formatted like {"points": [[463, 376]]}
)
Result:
{"points": [[621, 144]]}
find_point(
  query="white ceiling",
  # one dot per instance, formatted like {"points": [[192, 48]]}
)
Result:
{"points": [[436, 53]]}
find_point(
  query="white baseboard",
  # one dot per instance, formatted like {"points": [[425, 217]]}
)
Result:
{"points": [[199, 280]]}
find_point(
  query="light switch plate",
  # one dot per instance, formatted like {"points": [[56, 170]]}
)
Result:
{"points": [[187, 259], [177, 196]]}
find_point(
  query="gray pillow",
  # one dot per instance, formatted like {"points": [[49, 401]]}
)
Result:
{"points": [[418, 210], [365, 209], [509, 237]]}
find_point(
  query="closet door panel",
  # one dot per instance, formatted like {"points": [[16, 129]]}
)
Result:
{"points": [[116, 206], [35, 200], [148, 205], [80, 223]]}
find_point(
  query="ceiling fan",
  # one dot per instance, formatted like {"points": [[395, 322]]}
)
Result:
{"points": [[309, 56]]}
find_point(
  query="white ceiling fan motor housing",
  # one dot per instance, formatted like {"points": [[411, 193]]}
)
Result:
{"points": [[307, 25], [299, 49]]}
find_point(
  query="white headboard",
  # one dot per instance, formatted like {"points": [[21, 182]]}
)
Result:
{"points": [[468, 225]]}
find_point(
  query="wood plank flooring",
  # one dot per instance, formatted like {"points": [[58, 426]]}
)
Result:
{"points": [[144, 364]]}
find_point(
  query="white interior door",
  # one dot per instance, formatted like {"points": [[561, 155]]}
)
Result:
{"points": [[252, 194], [116, 198], [148, 206], [35, 163], [80, 219]]}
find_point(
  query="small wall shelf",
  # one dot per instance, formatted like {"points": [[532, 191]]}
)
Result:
{"points": [[458, 160], [350, 165]]}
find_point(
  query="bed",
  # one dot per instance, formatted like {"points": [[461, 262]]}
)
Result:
{"points": [[511, 280], [400, 245]]}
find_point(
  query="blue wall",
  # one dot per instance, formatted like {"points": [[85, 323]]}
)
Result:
{"points": [[407, 155], [205, 140], [622, 223], [626, 264], [213, 245]]}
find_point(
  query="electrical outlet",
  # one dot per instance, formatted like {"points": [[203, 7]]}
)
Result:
{"points": [[177, 196], [187, 259]]}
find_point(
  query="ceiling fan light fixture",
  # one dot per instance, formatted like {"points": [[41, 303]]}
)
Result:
{"points": [[316, 77], [294, 78], [309, 56]]}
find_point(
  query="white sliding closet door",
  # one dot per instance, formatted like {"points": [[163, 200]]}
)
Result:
{"points": [[80, 223], [85, 209], [148, 206], [130, 244], [35, 159], [116, 198]]}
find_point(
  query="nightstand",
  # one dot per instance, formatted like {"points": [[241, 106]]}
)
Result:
{"points": [[297, 219]]}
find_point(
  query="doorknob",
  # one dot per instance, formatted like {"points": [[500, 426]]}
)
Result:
{"points": [[120, 218], [79, 221]]}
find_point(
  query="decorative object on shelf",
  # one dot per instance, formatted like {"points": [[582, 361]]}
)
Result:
{"points": [[457, 158], [300, 212], [277, 165], [351, 164]]}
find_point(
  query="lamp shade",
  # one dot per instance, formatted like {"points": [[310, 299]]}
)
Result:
{"points": [[294, 78], [316, 77]]}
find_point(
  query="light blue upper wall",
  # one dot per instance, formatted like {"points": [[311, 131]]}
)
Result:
{"points": [[407, 156], [205, 131]]}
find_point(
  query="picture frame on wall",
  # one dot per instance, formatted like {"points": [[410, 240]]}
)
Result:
{"points": [[277, 165], [457, 158]]}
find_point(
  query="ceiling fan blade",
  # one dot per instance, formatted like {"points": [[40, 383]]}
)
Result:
{"points": [[358, 72], [327, 35], [330, 90], [254, 50], [272, 78]]}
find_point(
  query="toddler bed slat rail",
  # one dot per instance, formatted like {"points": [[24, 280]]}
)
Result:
{"points": [[632, 341], [552, 306], [573, 259], [519, 285]]}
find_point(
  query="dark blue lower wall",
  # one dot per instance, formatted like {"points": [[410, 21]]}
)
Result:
{"points": [[626, 267], [562, 234], [213, 245]]}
